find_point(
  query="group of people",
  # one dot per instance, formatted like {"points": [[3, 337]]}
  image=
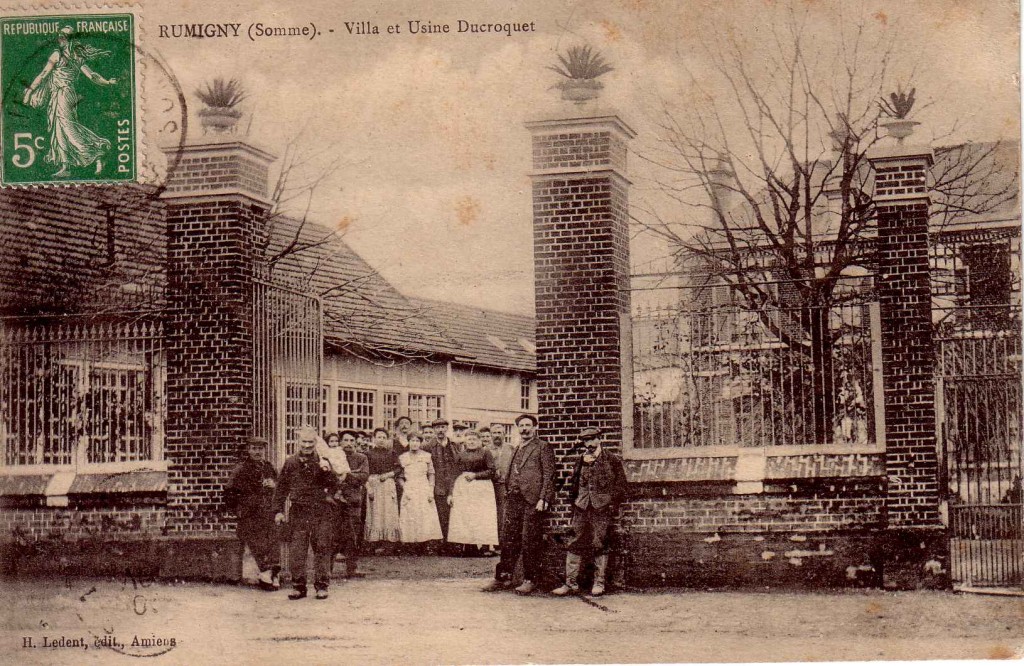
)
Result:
{"points": [[459, 486]]}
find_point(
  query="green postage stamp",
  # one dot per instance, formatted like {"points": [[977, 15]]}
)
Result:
{"points": [[69, 99]]}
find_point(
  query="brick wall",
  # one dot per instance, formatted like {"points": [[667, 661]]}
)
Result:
{"points": [[230, 166], [576, 150], [581, 254], [212, 251], [840, 504], [904, 289], [111, 520]]}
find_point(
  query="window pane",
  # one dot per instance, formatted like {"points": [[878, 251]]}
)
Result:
{"points": [[390, 410], [425, 408]]}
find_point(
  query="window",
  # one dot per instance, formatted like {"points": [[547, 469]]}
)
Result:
{"points": [[69, 411], [116, 406], [302, 406], [356, 409], [506, 429], [390, 409], [424, 408], [325, 391], [524, 394]]}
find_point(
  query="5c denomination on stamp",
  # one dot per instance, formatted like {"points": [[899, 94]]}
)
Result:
{"points": [[69, 112]]}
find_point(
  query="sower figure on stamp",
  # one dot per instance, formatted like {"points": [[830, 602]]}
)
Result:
{"points": [[310, 483], [530, 490], [250, 493], [56, 88], [596, 489]]}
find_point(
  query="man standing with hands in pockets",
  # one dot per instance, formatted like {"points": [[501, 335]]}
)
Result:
{"points": [[309, 482], [530, 491]]}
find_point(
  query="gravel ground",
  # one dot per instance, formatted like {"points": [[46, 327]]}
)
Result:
{"points": [[430, 611]]}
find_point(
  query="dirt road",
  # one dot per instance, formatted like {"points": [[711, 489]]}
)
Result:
{"points": [[393, 616]]}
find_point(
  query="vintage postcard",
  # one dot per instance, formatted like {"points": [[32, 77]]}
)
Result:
{"points": [[415, 332]]}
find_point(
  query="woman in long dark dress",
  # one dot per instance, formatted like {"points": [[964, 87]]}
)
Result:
{"points": [[381, 493]]}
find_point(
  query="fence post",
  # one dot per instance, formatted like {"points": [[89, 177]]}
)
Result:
{"points": [[915, 536], [581, 263], [216, 202]]}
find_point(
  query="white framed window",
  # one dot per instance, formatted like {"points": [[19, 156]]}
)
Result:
{"points": [[356, 409], [425, 407], [390, 408], [525, 402], [302, 407], [73, 412]]}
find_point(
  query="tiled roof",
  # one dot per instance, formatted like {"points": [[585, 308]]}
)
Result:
{"points": [[82, 249], [487, 337], [362, 309]]}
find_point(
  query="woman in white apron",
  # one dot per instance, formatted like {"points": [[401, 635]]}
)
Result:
{"points": [[474, 519]]}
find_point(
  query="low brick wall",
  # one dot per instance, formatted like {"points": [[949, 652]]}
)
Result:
{"points": [[798, 534], [116, 535]]}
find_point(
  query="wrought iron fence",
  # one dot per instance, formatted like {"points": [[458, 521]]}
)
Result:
{"points": [[723, 374], [979, 405], [81, 391]]}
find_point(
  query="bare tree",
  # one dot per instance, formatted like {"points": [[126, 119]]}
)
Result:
{"points": [[762, 177], [368, 317]]}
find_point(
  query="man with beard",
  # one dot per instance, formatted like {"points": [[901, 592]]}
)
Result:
{"points": [[502, 452], [310, 483]]}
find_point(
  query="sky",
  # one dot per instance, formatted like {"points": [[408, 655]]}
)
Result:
{"points": [[432, 186]]}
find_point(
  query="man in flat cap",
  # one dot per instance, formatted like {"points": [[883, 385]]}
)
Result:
{"points": [[596, 489], [250, 494], [529, 493], [445, 456]]}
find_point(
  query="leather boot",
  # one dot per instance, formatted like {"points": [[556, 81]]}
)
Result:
{"points": [[600, 572], [572, 572]]}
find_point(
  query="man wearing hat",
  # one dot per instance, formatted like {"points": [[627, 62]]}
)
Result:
{"points": [[596, 489], [530, 491], [250, 493], [445, 456], [349, 504]]}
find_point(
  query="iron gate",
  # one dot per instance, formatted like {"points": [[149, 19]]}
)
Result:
{"points": [[287, 359], [979, 400]]}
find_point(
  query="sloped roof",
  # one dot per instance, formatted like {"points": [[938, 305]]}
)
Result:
{"points": [[81, 249], [361, 308], [487, 337], [991, 195]]}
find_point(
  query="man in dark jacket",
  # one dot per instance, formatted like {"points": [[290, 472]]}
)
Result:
{"points": [[250, 494], [530, 491], [596, 489], [349, 498], [310, 483], [445, 456]]}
